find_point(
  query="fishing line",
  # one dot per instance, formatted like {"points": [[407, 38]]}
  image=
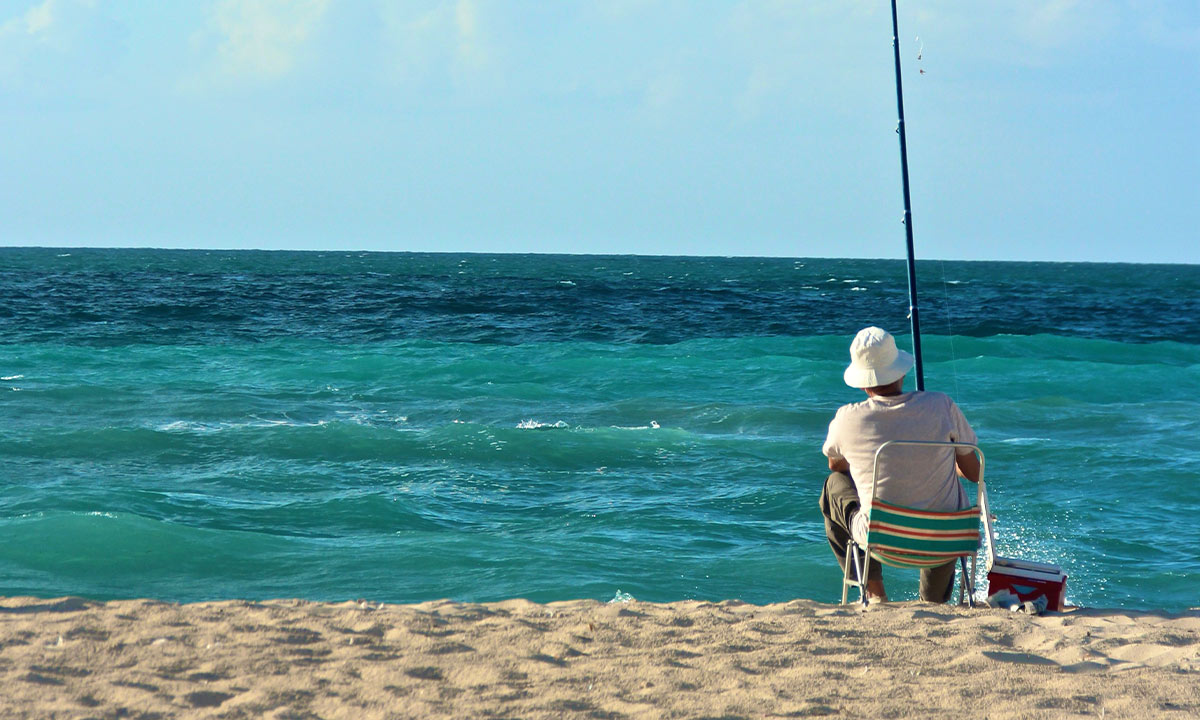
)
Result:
{"points": [[950, 332]]}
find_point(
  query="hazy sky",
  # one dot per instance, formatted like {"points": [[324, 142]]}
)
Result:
{"points": [[1038, 130]]}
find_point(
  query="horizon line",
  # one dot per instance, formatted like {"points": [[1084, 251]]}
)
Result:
{"points": [[579, 254]]}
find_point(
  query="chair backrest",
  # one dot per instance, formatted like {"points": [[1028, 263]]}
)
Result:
{"points": [[912, 537], [908, 537]]}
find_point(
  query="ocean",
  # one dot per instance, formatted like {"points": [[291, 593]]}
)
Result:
{"points": [[196, 425]]}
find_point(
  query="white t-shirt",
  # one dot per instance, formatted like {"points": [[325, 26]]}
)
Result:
{"points": [[914, 476]]}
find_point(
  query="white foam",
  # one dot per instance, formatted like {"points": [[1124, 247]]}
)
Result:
{"points": [[652, 426], [179, 426], [189, 426], [12, 377], [532, 424]]}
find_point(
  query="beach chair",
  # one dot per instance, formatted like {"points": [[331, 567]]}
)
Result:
{"points": [[912, 538]]}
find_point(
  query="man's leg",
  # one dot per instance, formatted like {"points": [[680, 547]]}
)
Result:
{"points": [[937, 584], [839, 503]]}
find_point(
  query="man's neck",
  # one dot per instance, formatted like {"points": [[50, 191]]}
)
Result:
{"points": [[896, 388]]}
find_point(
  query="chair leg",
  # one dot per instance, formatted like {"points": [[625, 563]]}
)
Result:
{"points": [[967, 586], [962, 584], [851, 556], [845, 579], [862, 576], [971, 585]]}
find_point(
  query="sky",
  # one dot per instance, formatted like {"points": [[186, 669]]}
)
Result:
{"points": [[1060, 130]]}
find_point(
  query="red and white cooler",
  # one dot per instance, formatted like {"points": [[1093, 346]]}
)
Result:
{"points": [[1026, 579]]}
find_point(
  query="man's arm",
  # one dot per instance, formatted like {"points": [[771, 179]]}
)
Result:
{"points": [[967, 465], [839, 465]]}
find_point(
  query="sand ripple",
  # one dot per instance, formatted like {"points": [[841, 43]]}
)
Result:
{"points": [[70, 658]]}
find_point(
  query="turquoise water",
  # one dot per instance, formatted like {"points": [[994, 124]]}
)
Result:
{"points": [[190, 425]]}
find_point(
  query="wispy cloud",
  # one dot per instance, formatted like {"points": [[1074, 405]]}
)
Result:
{"points": [[21, 33], [45, 37], [261, 39], [1031, 33], [429, 41], [38, 19], [1060, 23], [472, 45]]}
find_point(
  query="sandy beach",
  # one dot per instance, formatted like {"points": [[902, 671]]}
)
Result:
{"points": [[73, 658]]}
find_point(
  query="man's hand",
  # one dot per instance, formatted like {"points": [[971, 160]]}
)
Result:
{"points": [[839, 465], [968, 466]]}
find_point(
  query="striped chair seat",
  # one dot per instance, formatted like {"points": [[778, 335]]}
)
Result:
{"points": [[912, 538]]}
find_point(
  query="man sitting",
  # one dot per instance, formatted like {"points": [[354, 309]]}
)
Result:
{"points": [[913, 476]]}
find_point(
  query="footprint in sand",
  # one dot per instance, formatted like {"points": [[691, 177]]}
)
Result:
{"points": [[206, 698]]}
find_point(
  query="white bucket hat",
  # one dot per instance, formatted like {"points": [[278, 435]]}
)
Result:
{"points": [[874, 359]]}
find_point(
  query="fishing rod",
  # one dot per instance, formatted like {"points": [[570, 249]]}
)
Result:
{"points": [[1040, 586], [912, 265]]}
